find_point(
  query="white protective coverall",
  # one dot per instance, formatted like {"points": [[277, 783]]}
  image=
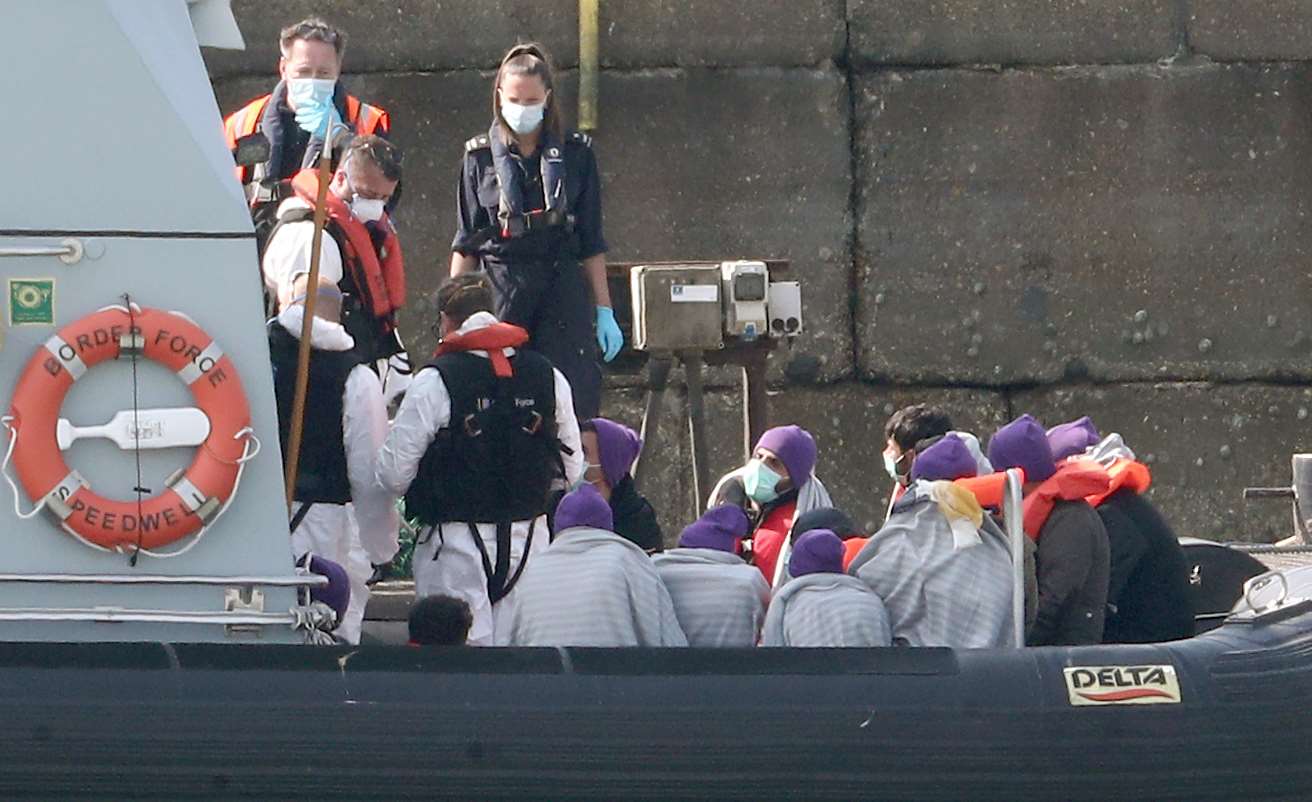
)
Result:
{"points": [[458, 570], [287, 256], [364, 531]]}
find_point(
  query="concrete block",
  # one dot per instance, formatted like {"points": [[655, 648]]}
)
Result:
{"points": [[696, 164], [1273, 30], [1011, 32], [1204, 443], [405, 35], [847, 420], [436, 35], [1119, 223]]}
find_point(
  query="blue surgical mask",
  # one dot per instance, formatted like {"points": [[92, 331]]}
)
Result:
{"points": [[523, 119], [310, 91], [761, 482]]}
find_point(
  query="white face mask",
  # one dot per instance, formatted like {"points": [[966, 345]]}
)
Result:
{"points": [[310, 91], [523, 119], [367, 210]]}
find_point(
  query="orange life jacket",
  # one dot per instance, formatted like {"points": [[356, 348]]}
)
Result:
{"points": [[363, 117], [383, 281], [1077, 479], [1124, 473]]}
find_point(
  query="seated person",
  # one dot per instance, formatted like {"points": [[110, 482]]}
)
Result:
{"points": [[336, 595], [1148, 599], [610, 449], [719, 599], [440, 620], [1071, 559], [821, 606], [835, 521], [904, 429], [591, 587], [775, 486], [940, 564]]}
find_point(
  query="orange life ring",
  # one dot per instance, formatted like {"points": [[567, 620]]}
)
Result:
{"points": [[192, 497]]}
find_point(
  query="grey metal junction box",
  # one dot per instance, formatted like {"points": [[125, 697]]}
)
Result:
{"points": [[677, 307]]}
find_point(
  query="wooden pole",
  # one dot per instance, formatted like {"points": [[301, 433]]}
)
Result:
{"points": [[589, 62], [311, 296]]}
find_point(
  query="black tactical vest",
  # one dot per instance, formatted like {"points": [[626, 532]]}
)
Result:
{"points": [[496, 459], [321, 477]]}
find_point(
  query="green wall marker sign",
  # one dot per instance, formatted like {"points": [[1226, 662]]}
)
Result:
{"points": [[31, 301]]}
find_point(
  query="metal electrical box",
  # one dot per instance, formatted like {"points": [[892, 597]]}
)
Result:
{"points": [[745, 285], [785, 309], [676, 307]]}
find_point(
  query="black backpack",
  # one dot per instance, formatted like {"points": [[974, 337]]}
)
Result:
{"points": [[497, 458]]}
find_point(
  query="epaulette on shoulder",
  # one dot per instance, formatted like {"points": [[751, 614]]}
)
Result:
{"points": [[581, 138], [477, 143]]}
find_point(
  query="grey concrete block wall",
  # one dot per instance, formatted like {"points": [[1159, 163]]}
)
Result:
{"points": [[437, 35], [974, 220], [1120, 223], [1270, 30], [1011, 32]]}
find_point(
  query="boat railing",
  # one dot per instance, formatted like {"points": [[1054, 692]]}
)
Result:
{"points": [[1013, 523]]}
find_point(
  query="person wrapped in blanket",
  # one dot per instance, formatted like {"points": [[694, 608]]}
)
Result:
{"points": [[821, 606], [941, 564]]}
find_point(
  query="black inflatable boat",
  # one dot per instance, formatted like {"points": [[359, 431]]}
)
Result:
{"points": [[1221, 715]]}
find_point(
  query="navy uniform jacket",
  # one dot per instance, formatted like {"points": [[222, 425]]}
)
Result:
{"points": [[478, 202]]}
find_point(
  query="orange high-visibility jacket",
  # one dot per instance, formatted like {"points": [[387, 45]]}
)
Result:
{"points": [[363, 117]]}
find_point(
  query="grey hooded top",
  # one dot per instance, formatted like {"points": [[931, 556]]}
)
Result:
{"points": [[820, 610], [720, 599], [591, 587]]}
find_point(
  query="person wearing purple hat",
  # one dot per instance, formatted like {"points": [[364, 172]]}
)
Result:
{"points": [[719, 599], [591, 587], [337, 593], [610, 449], [1073, 555], [775, 486], [821, 606], [1073, 439], [946, 459]]}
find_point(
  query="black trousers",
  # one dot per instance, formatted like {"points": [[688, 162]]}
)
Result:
{"points": [[552, 301]]}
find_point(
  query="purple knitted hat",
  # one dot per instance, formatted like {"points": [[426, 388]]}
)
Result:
{"points": [[949, 459], [1023, 444], [618, 446], [584, 507], [721, 528], [795, 448], [819, 551], [1076, 437]]}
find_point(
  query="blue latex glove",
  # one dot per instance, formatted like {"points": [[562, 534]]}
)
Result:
{"points": [[609, 336]]}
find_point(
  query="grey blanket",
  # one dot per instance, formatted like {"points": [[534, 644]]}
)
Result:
{"points": [[826, 610], [592, 588], [720, 599], [936, 594]]}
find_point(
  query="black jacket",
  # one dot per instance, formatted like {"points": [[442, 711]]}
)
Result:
{"points": [[1148, 596], [1072, 564], [635, 520]]}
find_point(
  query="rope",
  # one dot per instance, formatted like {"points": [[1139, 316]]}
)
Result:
{"points": [[136, 427], [8, 422], [317, 620]]}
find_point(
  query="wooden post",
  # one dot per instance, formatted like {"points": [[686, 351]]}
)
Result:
{"points": [[296, 429], [589, 62]]}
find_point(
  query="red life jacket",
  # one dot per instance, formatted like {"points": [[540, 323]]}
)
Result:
{"points": [[768, 540], [492, 339], [1077, 479], [852, 547], [383, 282], [1124, 473], [363, 117]]}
